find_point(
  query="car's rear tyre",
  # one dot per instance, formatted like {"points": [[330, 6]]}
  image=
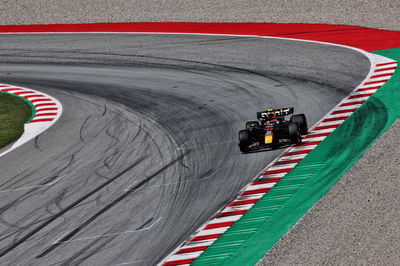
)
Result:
{"points": [[244, 137], [301, 120], [251, 124], [244, 140], [294, 133], [243, 149]]}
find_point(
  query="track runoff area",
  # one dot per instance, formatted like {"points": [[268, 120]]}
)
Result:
{"points": [[244, 230]]}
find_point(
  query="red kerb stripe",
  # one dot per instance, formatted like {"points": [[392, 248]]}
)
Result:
{"points": [[24, 92], [206, 237], [375, 82], [242, 202], [385, 64], [316, 136], [278, 171], [192, 249], [42, 120], [381, 75], [344, 111], [255, 191], [360, 95], [47, 109], [40, 100], [44, 104], [385, 69], [269, 180], [12, 89], [309, 143], [370, 88], [297, 152], [45, 114], [231, 213], [326, 127], [352, 103], [34, 95], [219, 225], [335, 118], [178, 262], [287, 162]]}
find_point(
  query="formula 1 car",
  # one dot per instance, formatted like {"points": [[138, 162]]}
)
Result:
{"points": [[272, 130]]}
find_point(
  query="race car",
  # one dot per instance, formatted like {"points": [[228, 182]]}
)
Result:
{"points": [[272, 130]]}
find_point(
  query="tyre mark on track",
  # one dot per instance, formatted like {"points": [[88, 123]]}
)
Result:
{"points": [[96, 215], [18, 242], [145, 226]]}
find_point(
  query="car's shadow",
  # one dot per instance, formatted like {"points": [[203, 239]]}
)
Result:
{"points": [[280, 147]]}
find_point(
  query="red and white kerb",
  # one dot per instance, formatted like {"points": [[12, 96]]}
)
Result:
{"points": [[47, 109], [188, 251]]}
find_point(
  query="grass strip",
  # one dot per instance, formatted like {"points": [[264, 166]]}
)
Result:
{"points": [[14, 112]]}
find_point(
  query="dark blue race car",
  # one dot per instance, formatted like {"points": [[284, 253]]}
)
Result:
{"points": [[273, 129]]}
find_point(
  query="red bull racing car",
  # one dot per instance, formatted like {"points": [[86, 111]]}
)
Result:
{"points": [[273, 129]]}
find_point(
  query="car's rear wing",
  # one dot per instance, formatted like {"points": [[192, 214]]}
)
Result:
{"points": [[278, 112]]}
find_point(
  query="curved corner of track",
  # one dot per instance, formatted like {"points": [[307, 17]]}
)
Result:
{"points": [[46, 110]]}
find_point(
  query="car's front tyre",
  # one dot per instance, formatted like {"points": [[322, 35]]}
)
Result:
{"points": [[301, 120], [294, 133]]}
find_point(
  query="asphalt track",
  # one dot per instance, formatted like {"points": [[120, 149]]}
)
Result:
{"points": [[146, 149]]}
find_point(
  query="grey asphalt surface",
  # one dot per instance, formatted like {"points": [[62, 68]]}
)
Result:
{"points": [[378, 14], [146, 149]]}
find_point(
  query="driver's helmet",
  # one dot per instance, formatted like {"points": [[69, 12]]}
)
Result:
{"points": [[271, 114]]}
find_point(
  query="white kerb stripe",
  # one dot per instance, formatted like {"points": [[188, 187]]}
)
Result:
{"points": [[282, 166], [347, 108], [365, 92], [326, 130], [371, 85], [237, 208], [278, 175], [225, 219], [330, 123], [390, 71], [383, 79], [45, 117], [339, 115], [248, 197], [43, 109], [254, 187], [347, 100], [185, 256], [313, 139], [308, 147], [220, 230], [198, 243], [14, 90], [292, 157], [386, 66]]}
